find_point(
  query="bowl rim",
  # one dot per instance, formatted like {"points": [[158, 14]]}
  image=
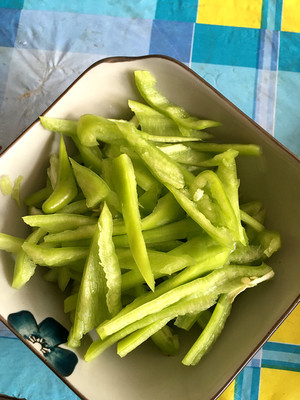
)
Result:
{"points": [[119, 59]]}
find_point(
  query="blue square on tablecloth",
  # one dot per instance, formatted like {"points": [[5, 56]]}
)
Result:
{"points": [[83, 33], [121, 8], [177, 10], [172, 38], [236, 83], [226, 45], [12, 4], [9, 18], [287, 116], [24, 375], [289, 52], [5, 57]]}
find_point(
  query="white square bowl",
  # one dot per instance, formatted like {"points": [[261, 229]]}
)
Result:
{"points": [[273, 178]]}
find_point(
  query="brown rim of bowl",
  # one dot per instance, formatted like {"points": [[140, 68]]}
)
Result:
{"points": [[263, 131]]}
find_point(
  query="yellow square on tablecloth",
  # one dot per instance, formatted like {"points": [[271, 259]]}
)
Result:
{"points": [[289, 330], [242, 13], [290, 16], [228, 394], [276, 384]]}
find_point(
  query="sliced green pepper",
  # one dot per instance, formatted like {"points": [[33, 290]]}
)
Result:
{"points": [[211, 332], [146, 84], [54, 257], [92, 185], [125, 185], [63, 126], [92, 156], [109, 261], [9, 243], [24, 265], [58, 222], [161, 166], [65, 189], [157, 123], [91, 307]]}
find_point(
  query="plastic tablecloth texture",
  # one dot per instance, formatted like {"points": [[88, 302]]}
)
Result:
{"points": [[249, 50]]}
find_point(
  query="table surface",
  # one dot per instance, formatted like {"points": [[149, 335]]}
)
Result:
{"points": [[249, 50]]}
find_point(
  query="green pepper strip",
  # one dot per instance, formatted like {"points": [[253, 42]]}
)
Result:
{"points": [[63, 278], [164, 169], [166, 211], [219, 195], [132, 341], [257, 226], [92, 156], [70, 302], [175, 230], [246, 254], [144, 178], [185, 155], [93, 127], [58, 222], [161, 166], [243, 149], [76, 207], [81, 233], [220, 234], [166, 341], [211, 332], [217, 281], [92, 185], [162, 264], [186, 321], [168, 313], [39, 196], [9, 243], [65, 189], [227, 173], [233, 279], [148, 200], [211, 262], [91, 307], [203, 318], [63, 126], [54, 257], [5, 185], [52, 170], [109, 261], [146, 84], [125, 185], [24, 265], [159, 124]]}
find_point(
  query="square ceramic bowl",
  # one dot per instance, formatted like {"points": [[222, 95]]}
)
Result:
{"points": [[274, 178]]}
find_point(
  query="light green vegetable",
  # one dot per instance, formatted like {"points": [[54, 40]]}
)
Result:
{"points": [[142, 228]]}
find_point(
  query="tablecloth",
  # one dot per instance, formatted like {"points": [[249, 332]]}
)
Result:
{"points": [[249, 50]]}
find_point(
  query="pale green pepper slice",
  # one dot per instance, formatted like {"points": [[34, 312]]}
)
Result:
{"points": [[91, 307], [24, 265], [146, 84], [125, 185], [65, 189]]}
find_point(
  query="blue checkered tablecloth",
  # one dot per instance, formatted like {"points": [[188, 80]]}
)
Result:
{"points": [[249, 50]]}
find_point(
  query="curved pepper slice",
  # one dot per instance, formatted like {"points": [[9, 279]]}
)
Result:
{"points": [[65, 189], [125, 184], [146, 84]]}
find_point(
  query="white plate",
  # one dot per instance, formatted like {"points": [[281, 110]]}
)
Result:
{"points": [[274, 178]]}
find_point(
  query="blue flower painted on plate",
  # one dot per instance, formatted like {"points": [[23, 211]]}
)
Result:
{"points": [[46, 338]]}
